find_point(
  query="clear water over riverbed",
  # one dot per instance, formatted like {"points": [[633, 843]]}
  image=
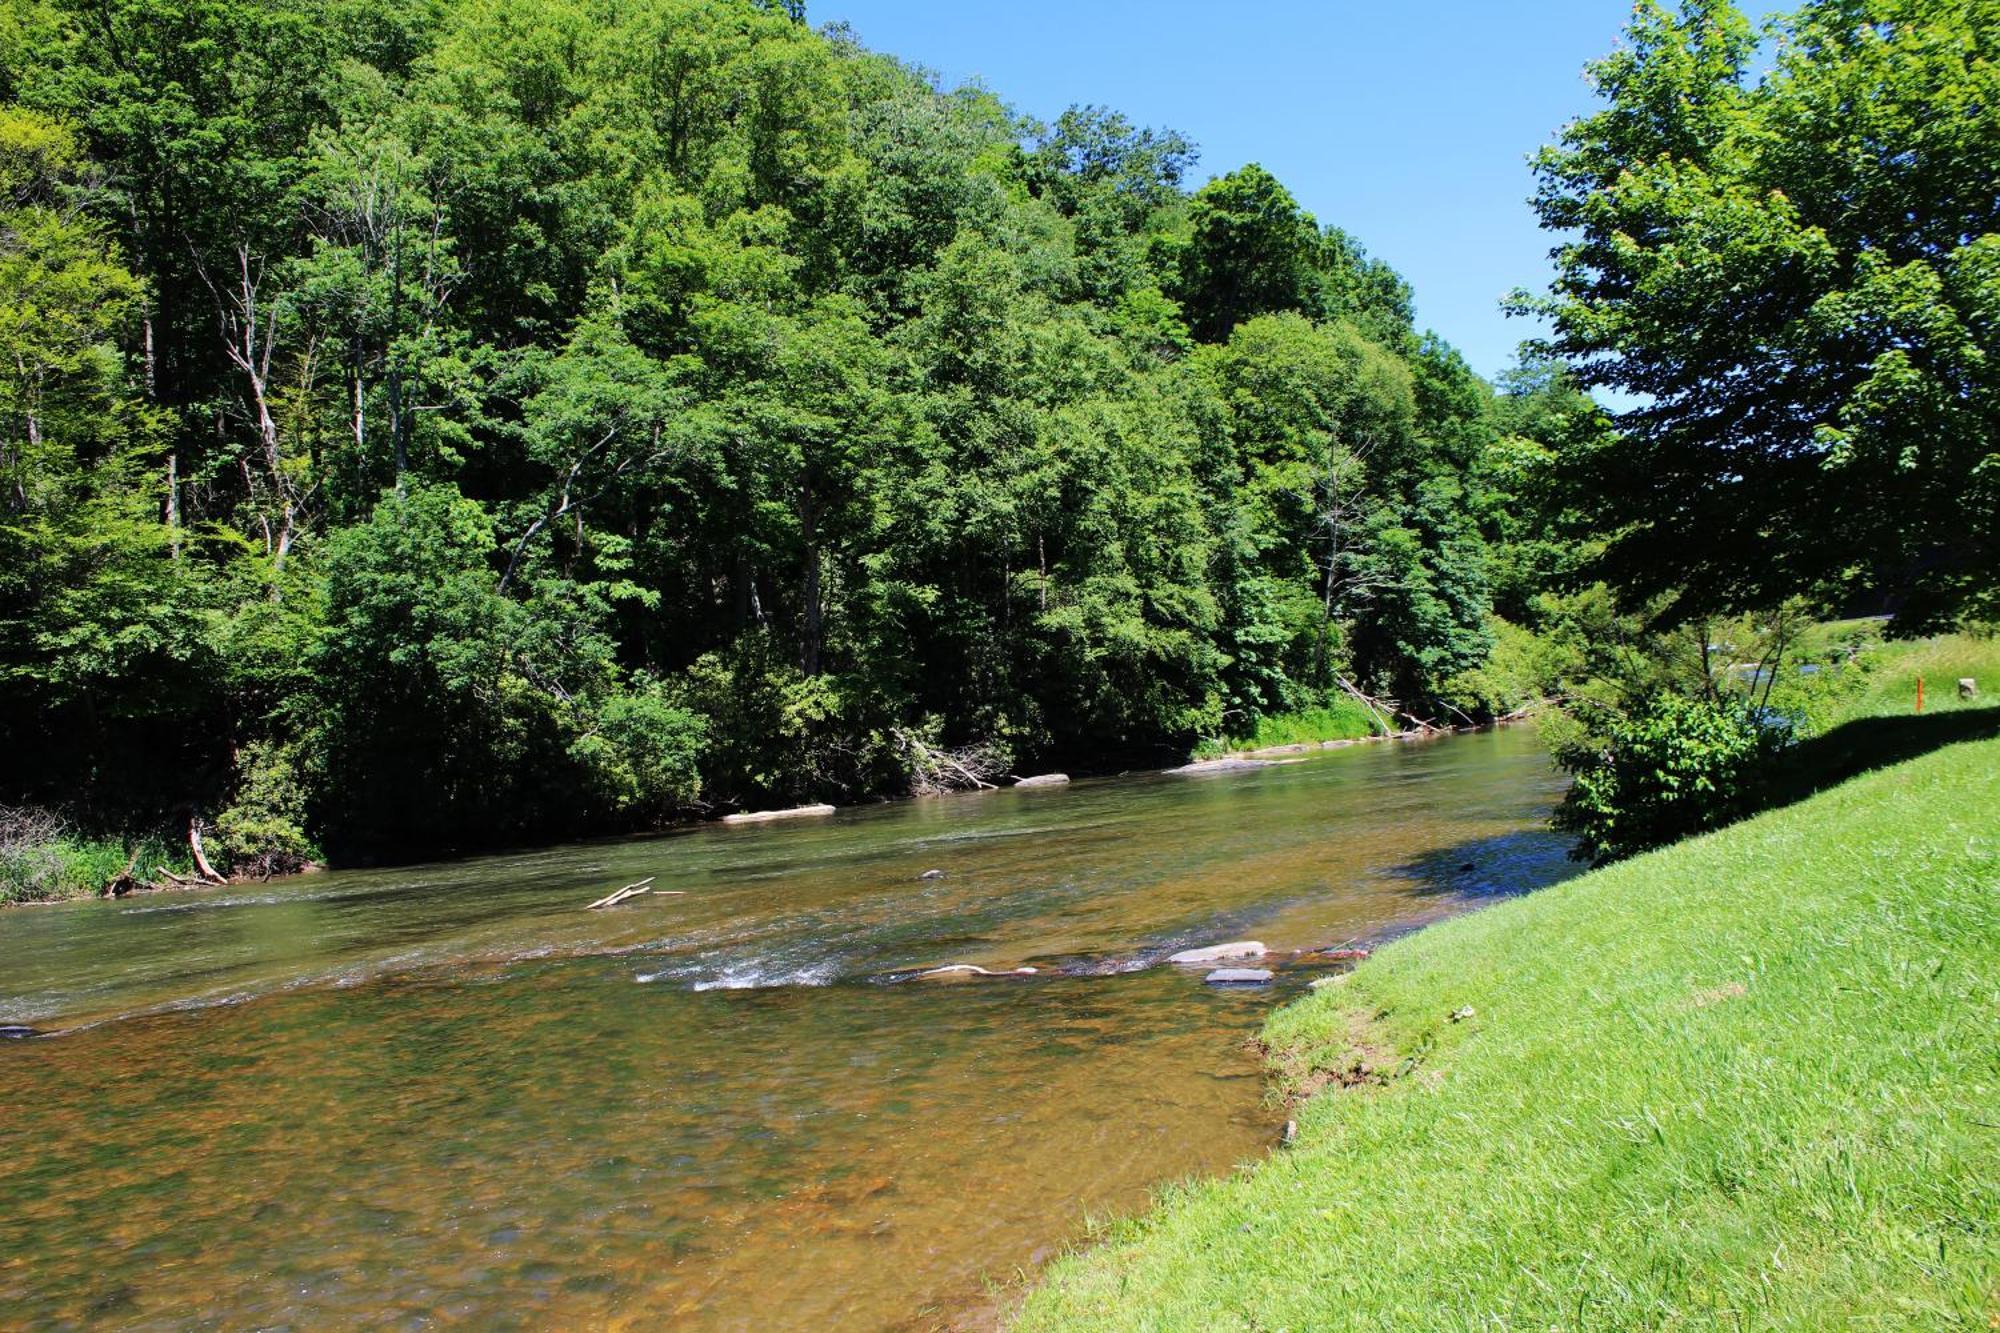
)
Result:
{"points": [[445, 1094]]}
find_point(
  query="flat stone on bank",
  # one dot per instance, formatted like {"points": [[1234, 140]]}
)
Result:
{"points": [[1216, 953], [767, 816], [1238, 976]]}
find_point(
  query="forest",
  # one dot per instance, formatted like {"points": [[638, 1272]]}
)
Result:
{"points": [[434, 425]]}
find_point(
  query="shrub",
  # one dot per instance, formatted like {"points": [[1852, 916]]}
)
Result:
{"points": [[1680, 766], [31, 861], [262, 833]]}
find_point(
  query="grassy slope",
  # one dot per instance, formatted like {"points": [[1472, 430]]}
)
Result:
{"points": [[1752, 1080], [1891, 687]]}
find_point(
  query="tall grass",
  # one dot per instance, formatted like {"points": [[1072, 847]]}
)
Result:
{"points": [[1336, 720], [44, 859]]}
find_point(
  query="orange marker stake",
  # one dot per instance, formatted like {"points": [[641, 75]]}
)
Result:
{"points": [[1920, 694]]}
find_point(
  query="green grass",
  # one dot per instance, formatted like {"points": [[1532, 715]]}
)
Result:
{"points": [[1748, 1081], [1336, 720], [56, 863], [1890, 686]]}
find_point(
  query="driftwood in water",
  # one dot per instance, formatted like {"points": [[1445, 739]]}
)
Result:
{"points": [[973, 970], [629, 891]]}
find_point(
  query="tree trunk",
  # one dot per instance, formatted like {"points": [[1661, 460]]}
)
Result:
{"points": [[201, 864], [173, 513]]}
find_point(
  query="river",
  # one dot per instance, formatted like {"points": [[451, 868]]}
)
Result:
{"points": [[445, 1094]]}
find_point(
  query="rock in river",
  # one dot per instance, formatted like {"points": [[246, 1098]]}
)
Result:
{"points": [[1238, 976], [932, 874], [973, 970], [1045, 780], [1215, 953]]}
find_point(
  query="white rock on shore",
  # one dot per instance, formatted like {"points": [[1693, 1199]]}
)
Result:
{"points": [[767, 816], [1216, 953]]}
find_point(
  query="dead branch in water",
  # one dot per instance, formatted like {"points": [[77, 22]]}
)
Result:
{"points": [[629, 891]]}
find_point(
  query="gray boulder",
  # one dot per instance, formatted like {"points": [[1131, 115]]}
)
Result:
{"points": [[1238, 976]]}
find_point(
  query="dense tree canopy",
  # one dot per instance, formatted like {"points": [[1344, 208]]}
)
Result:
{"points": [[430, 423], [1794, 273]]}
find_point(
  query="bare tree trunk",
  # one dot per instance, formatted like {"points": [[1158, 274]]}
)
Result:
{"points": [[173, 514], [398, 431], [250, 339], [360, 384], [809, 646]]}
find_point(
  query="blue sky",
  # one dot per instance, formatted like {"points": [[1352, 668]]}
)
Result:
{"points": [[1408, 124]]}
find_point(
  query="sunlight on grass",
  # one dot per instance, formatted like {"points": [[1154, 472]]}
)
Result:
{"points": [[1746, 1081], [1338, 720]]}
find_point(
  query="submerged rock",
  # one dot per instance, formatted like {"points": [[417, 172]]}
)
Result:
{"points": [[17, 1032], [1045, 780], [1215, 953], [972, 970], [1202, 767], [1238, 976]]}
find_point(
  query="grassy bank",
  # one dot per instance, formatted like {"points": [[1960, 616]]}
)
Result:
{"points": [[1336, 720], [42, 859], [1748, 1081]]}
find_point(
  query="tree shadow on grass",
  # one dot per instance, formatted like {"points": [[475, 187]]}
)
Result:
{"points": [[1517, 863], [1866, 744]]}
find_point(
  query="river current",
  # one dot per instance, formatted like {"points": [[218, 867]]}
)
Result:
{"points": [[448, 1095]]}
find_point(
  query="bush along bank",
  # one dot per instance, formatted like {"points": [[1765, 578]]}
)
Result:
{"points": [[1745, 1080]]}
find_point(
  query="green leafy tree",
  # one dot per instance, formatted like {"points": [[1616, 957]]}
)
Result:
{"points": [[1250, 250], [1794, 273]]}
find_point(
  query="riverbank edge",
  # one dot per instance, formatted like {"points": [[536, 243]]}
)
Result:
{"points": [[1219, 764], [1358, 1060]]}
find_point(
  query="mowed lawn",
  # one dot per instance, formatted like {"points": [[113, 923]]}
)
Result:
{"points": [[1750, 1081]]}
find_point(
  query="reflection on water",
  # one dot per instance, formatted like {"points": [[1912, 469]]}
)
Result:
{"points": [[447, 1094]]}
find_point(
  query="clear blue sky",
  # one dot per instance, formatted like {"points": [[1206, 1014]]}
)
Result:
{"points": [[1408, 124]]}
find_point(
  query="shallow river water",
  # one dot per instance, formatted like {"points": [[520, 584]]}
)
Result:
{"points": [[445, 1094]]}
